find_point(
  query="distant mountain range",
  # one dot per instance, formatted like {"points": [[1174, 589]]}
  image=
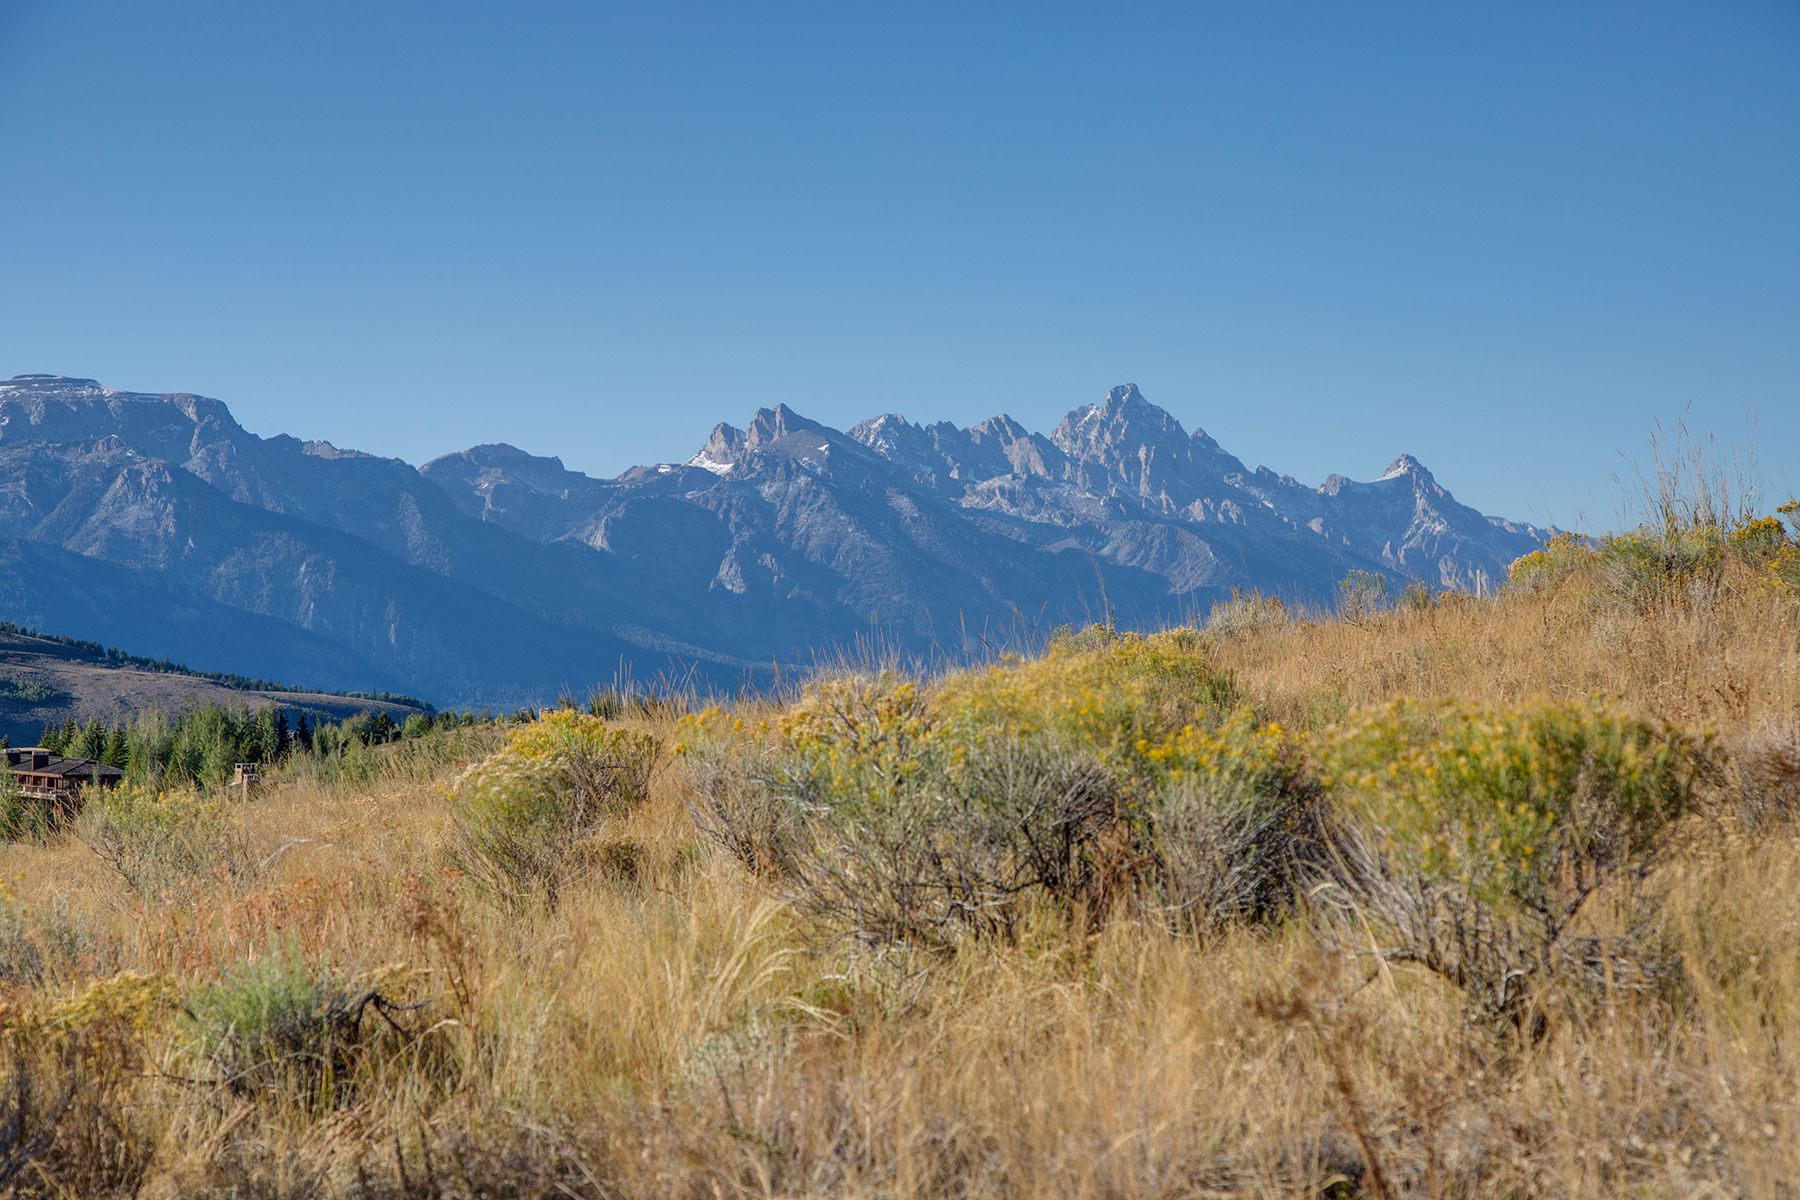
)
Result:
{"points": [[494, 576]]}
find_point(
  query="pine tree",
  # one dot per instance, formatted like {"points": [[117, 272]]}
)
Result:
{"points": [[262, 744], [303, 734], [117, 752]]}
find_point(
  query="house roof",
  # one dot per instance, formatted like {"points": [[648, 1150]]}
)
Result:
{"points": [[86, 768], [56, 764]]}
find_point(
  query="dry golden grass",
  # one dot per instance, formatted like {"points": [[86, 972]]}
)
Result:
{"points": [[671, 1028], [1730, 657]]}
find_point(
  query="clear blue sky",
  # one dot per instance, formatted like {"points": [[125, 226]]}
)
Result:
{"points": [[1503, 237]]}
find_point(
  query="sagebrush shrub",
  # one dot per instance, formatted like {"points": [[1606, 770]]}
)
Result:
{"points": [[737, 801], [1476, 836], [275, 1025], [885, 820], [1233, 823], [951, 850], [1418, 599], [1645, 569], [1246, 613], [906, 813], [283, 1027], [1360, 595], [164, 842], [520, 815]]}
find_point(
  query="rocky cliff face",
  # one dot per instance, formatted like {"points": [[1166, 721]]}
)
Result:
{"points": [[494, 575]]}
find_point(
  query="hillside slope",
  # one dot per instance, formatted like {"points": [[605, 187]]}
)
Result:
{"points": [[44, 681]]}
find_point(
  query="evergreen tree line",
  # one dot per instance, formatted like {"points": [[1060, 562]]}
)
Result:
{"points": [[203, 744]]}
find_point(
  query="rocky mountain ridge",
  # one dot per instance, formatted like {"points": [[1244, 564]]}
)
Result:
{"points": [[493, 575]]}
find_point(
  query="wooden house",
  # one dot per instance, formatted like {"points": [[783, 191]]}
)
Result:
{"points": [[55, 780]]}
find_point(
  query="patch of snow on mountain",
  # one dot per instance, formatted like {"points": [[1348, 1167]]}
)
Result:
{"points": [[707, 462]]}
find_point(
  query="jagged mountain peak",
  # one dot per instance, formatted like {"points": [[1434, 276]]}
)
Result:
{"points": [[1124, 420], [1001, 425], [723, 448], [1408, 466], [728, 448], [887, 431], [1126, 402], [773, 424], [895, 438], [1205, 441], [884, 421], [1124, 394]]}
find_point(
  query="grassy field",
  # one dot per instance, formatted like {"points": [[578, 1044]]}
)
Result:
{"points": [[1458, 898]]}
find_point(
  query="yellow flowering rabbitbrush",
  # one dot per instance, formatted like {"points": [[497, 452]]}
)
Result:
{"points": [[1532, 805], [1100, 690], [521, 812], [1558, 557]]}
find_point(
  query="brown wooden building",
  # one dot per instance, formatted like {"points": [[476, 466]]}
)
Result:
{"points": [[55, 780]]}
